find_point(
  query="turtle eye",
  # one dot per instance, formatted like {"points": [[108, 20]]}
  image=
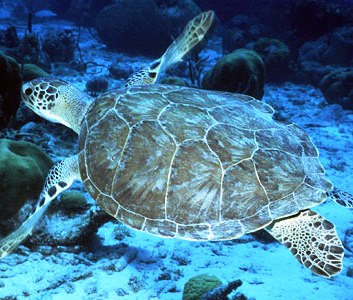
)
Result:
{"points": [[28, 91]]}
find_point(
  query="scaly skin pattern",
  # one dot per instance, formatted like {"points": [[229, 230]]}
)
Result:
{"points": [[195, 164]]}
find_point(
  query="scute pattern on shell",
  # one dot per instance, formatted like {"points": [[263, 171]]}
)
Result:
{"points": [[196, 164]]}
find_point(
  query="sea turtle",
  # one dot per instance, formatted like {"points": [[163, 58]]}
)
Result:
{"points": [[185, 163]]}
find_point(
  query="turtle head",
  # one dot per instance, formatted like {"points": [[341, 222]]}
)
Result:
{"points": [[56, 100]]}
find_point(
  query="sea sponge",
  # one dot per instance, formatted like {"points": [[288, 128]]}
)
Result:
{"points": [[199, 285], [276, 56], [242, 71], [337, 87], [23, 168], [10, 89]]}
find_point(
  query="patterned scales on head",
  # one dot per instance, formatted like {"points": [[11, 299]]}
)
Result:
{"points": [[195, 164]]}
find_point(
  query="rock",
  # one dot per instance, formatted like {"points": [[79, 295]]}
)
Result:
{"points": [[337, 87], [9, 37], [120, 71], [242, 29], [335, 48], [221, 292], [96, 86], [63, 228], [199, 285], [23, 168], [127, 25], [30, 49], [313, 18], [60, 46], [10, 87], [348, 239], [311, 72], [276, 56], [81, 11], [242, 71], [71, 200]]}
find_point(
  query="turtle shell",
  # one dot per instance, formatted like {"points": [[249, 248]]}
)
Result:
{"points": [[196, 164]]}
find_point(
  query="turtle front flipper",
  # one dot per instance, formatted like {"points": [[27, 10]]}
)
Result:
{"points": [[313, 240], [342, 198], [59, 178], [193, 34]]}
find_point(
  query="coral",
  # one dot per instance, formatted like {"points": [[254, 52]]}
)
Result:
{"points": [[9, 37], [72, 201], [60, 46], [10, 86], [23, 167], [320, 57], [141, 26], [29, 50], [276, 56], [32, 71], [120, 72], [313, 18], [173, 80], [242, 71], [241, 30], [335, 48], [223, 290], [80, 11], [199, 285], [337, 87]]}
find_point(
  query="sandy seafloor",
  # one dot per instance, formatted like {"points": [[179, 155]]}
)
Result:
{"points": [[156, 268]]}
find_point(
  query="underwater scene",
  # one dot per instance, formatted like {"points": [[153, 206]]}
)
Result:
{"points": [[176, 149]]}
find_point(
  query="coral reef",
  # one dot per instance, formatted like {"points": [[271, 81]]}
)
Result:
{"points": [[127, 25], [276, 56], [60, 46], [66, 226], [9, 37], [29, 50], [72, 200], [337, 87], [32, 71], [120, 72], [96, 86], [10, 86], [313, 18], [81, 11], [242, 71], [174, 80], [240, 31], [199, 285], [23, 167], [335, 48], [221, 292]]}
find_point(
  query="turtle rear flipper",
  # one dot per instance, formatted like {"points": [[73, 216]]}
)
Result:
{"points": [[59, 178], [193, 33], [312, 240], [342, 198]]}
